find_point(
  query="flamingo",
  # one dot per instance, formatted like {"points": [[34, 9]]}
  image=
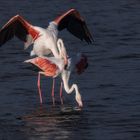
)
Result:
{"points": [[45, 40], [52, 67]]}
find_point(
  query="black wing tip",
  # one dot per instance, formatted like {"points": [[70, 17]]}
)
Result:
{"points": [[92, 40], [89, 39]]}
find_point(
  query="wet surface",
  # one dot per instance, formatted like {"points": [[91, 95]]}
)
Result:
{"points": [[109, 87]]}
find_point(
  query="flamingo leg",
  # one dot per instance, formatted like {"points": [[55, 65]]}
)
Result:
{"points": [[61, 96], [53, 98], [39, 88]]}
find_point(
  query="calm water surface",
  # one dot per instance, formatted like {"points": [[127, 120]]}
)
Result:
{"points": [[110, 86]]}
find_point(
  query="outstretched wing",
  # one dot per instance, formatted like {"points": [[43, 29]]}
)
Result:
{"points": [[75, 24], [19, 27]]}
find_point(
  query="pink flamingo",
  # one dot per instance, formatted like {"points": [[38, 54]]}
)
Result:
{"points": [[45, 40], [51, 66]]}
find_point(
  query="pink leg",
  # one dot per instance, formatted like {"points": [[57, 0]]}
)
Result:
{"points": [[39, 89], [61, 96], [53, 99]]}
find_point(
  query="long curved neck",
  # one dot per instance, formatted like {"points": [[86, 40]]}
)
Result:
{"points": [[61, 47], [70, 89], [65, 78], [62, 50]]}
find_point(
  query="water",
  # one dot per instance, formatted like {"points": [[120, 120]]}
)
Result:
{"points": [[110, 86]]}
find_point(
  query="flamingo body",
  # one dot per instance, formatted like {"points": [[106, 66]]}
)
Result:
{"points": [[46, 43]]}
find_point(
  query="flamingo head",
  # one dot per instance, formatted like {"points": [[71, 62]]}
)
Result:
{"points": [[82, 64], [79, 100]]}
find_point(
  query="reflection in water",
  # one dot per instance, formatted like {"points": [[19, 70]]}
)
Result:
{"points": [[43, 124]]}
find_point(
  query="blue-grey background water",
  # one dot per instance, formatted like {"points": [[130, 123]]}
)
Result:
{"points": [[109, 87]]}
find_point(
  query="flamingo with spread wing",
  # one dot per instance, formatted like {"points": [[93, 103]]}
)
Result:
{"points": [[45, 40]]}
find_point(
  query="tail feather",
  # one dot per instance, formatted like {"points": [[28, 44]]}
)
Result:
{"points": [[28, 61]]}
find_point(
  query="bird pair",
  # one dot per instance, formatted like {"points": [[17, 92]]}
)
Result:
{"points": [[45, 42], [53, 67]]}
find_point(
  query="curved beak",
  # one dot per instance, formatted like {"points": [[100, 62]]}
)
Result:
{"points": [[80, 104], [79, 100]]}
